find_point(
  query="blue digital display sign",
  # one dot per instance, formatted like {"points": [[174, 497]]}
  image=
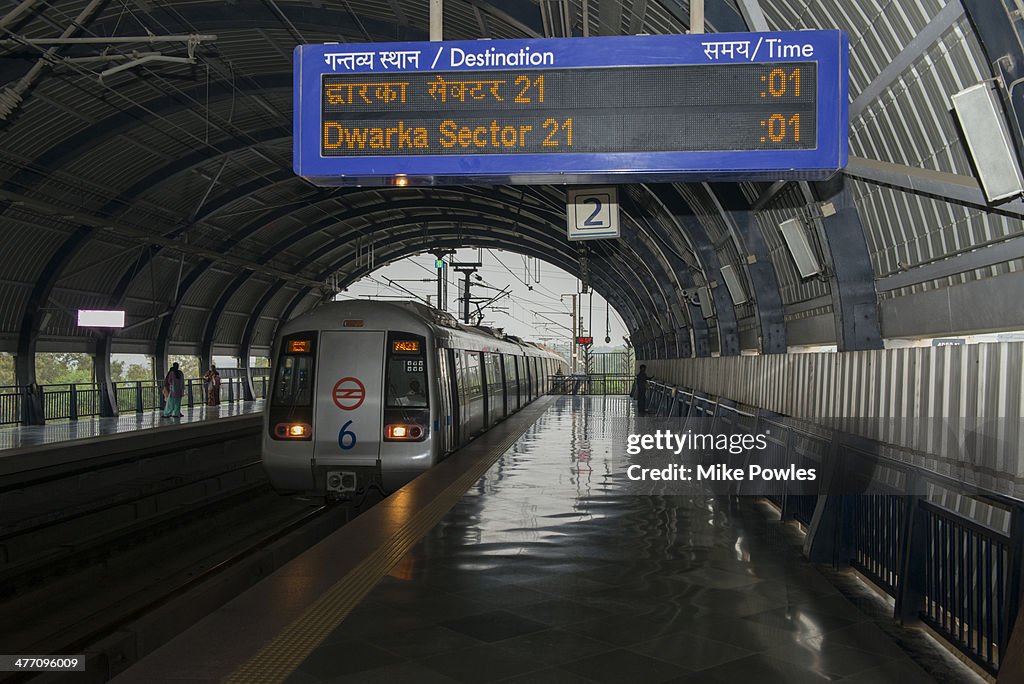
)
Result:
{"points": [[742, 106]]}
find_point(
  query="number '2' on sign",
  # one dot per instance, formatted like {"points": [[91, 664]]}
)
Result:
{"points": [[592, 213]]}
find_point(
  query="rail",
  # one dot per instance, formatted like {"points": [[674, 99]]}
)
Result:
{"points": [[952, 557], [82, 400], [593, 384]]}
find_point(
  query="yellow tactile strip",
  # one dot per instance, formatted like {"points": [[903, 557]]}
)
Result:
{"points": [[276, 661]]}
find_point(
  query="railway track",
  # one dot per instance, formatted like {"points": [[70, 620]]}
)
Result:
{"points": [[152, 550]]}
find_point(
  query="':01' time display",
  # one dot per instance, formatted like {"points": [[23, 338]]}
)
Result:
{"points": [[740, 107]]}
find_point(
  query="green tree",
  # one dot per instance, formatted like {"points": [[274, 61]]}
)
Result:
{"points": [[129, 373], [63, 368], [189, 365], [6, 369]]}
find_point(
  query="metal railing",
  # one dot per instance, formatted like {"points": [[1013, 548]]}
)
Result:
{"points": [[878, 523], [970, 583], [599, 384], [958, 571], [82, 400]]}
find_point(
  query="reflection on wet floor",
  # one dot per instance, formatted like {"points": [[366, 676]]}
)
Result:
{"points": [[86, 428], [545, 572]]}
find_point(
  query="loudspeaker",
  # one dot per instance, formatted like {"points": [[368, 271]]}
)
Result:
{"points": [[988, 138], [800, 247], [704, 299], [732, 281]]}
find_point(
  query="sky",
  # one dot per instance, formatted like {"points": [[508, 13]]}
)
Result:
{"points": [[533, 309]]}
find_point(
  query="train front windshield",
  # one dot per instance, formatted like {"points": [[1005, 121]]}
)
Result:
{"points": [[407, 382], [293, 381]]}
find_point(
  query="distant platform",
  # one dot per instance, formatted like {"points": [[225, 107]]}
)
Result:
{"points": [[63, 432]]}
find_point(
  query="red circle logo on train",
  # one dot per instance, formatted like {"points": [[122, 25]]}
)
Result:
{"points": [[349, 394]]}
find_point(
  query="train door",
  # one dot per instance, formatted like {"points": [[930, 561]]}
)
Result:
{"points": [[485, 388], [474, 405], [455, 419], [350, 374], [512, 368], [529, 379], [462, 395], [503, 370], [443, 412]]}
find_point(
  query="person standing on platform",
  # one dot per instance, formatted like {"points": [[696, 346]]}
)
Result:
{"points": [[212, 379], [640, 388], [174, 389]]}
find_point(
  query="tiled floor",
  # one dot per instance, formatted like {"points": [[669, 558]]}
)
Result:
{"points": [[546, 572], [86, 428]]}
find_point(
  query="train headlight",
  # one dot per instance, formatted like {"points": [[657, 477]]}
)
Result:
{"points": [[403, 433], [293, 431]]}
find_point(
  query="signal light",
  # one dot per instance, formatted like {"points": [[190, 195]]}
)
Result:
{"points": [[293, 431], [403, 433]]}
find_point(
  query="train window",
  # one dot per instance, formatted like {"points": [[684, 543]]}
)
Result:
{"points": [[472, 375], [407, 382], [406, 374], [493, 369], [293, 382]]}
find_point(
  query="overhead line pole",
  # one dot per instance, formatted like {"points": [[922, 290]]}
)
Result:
{"points": [[575, 328], [696, 16], [436, 20]]}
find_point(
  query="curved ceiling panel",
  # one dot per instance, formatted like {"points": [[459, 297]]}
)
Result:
{"points": [[167, 188]]}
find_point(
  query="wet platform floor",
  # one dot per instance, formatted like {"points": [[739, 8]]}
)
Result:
{"points": [[56, 432], [545, 572]]}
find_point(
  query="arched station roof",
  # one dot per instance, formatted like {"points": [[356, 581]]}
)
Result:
{"points": [[166, 188]]}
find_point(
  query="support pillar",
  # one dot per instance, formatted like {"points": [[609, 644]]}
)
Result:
{"points": [[854, 300], [103, 371], [161, 354]]}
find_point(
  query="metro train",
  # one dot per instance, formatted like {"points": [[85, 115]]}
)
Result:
{"points": [[373, 394]]}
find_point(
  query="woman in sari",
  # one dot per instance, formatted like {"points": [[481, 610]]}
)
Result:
{"points": [[174, 388], [212, 379]]}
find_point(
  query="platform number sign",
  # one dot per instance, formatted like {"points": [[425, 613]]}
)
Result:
{"points": [[593, 213]]}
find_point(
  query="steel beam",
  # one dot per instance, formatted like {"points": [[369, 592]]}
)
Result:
{"points": [[925, 38], [977, 256], [753, 15], [945, 187], [194, 39]]}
